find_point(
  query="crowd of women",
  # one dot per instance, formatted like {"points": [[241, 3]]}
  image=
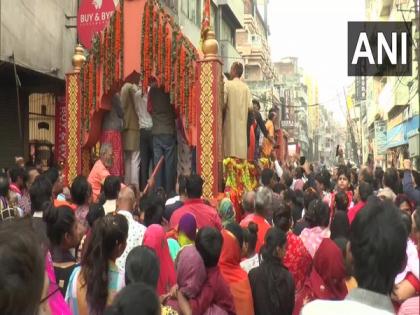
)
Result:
{"points": [[345, 242]]}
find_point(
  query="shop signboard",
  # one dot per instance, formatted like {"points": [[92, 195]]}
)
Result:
{"points": [[92, 17], [380, 137]]}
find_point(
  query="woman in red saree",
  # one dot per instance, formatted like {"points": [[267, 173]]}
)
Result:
{"points": [[234, 275], [327, 278], [297, 258], [155, 238]]}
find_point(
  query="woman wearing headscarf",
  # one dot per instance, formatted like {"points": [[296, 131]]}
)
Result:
{"points": [[234, 275], [191, 276], [187, 230], [155, 238], [318, 219], [226, 212], [327, 278]]}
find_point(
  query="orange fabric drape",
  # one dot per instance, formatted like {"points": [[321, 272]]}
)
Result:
{"points": [[235, 276], [252, 144]]}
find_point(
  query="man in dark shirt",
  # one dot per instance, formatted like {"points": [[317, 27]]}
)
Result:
{"points": [[164, 136], [256, 115]]}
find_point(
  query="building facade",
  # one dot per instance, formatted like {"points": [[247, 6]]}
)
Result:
{"points": [[391, 127], [252, 44], [294, 104], [227, 16], [313, 116], [36, 47]]}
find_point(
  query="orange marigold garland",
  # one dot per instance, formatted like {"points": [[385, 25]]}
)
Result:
{"points": [[104, 61], [103, 67], [161, 43], [108, 62], [151, 35], [142, 49], [169, 54], [97, 71], [117, 44], [112, 52], [92, 75], [152, 39], [168, 58], [122, 40], [182, 81]]}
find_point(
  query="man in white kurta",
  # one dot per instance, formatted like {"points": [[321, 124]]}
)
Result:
{"points": [[237, 103]]}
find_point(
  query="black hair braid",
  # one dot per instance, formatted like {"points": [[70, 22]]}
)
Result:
{"points": [[108, 232], [276, 281]]}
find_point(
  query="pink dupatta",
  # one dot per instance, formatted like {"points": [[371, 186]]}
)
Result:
{"points": [[155, 238], [56, 300]]}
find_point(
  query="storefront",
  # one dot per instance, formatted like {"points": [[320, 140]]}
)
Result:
{"points": [[398, 147], [27, 109]]}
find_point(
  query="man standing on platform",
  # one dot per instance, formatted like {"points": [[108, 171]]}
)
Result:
{"points": [[259, 129], [131, 135], [267, 146], [164, 136], [237, 103], [146, 138]]}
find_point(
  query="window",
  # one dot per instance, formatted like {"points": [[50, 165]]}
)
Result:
{"points": [[256, 40], [228, 33], [213, 10], [249, 7], [184, 6], [192, 9]]}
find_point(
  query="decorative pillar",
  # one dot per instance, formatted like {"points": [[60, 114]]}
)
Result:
{"points": [[72, 164], [209, 116], [73, 139]]}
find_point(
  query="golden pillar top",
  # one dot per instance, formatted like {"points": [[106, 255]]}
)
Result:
{"points": [[78, 58], [210, 46]]}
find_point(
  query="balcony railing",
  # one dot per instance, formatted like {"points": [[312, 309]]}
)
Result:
{"points": [[229, 54], [235, 8]]}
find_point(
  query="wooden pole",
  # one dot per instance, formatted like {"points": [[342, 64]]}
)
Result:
{"points": [[155, 171]]}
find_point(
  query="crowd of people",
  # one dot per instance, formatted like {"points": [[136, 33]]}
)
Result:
{"points": [[307, 242]]}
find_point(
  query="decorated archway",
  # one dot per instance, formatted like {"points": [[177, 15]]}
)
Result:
{"points": [[142, 39]]}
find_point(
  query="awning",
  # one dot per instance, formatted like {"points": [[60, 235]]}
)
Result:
{"points": [[398, 135]]}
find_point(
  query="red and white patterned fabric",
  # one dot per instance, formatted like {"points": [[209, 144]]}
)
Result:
{"points": [[312, 238], [114, 138], [297, 260]]}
